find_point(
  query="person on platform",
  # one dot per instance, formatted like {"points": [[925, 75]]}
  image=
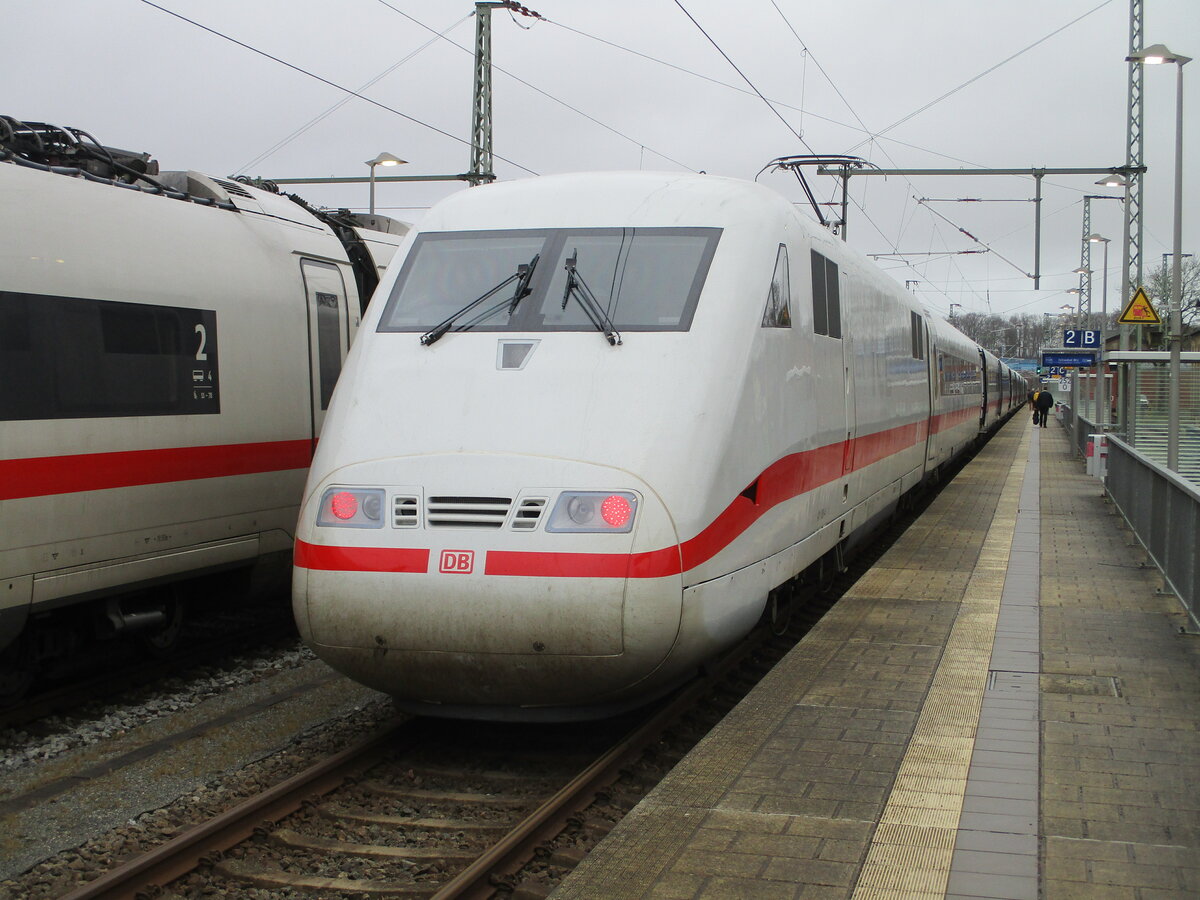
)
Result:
{"points": [[1043, 403], [1031, 396]]}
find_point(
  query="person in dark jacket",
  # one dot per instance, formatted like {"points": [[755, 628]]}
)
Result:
{"points": [[1043, 402]]}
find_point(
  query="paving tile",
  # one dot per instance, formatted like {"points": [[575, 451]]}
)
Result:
{"points": [[1007, 887], [979, 788], [1012, 742], [1005, 759], [983, 862], [1010, 824], [1026, 809]]}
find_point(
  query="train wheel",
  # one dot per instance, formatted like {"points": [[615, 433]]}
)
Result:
{"points": [[161, 641], [780, 604], [829, 567]]}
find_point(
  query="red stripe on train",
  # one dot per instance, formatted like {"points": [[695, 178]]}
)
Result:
{"points": [[795, 474], [360, 559], [46, 475]]}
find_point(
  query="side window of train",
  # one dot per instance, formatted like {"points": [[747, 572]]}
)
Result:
{"points": [[918, 336], [827, 306], [74, 358], [778, 313]]}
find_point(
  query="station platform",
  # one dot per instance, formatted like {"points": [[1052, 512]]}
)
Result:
{"points": [[1004, 706]]}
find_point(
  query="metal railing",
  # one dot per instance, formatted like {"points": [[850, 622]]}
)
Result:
{"points": [[1146, 413], [1163, 509], [1078, 428]]}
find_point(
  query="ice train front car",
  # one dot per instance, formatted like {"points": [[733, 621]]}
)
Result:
{"points": [[578, 440]]}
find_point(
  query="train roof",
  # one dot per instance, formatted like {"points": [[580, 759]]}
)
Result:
{"points": [[608, 199]]}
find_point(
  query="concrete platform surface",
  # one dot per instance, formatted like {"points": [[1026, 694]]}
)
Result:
{"points": [[1003, 707]]}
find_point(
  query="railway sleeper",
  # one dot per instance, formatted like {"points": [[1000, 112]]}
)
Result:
{"points": [[340, 814], [285, 837], [472, 774], [277, 879], [427, 796]]}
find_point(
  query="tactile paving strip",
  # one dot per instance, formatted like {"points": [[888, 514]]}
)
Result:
{"points": [[913, 847]]}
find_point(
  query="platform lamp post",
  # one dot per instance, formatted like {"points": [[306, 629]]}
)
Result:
{"points": [[1157, 54], [1102, 384], [383, 159]]}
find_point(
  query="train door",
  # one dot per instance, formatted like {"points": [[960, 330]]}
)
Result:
{"points": [[933, 359], [328, 334], [983, 386]]}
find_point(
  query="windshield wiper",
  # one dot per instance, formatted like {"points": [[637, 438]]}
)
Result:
{"points": [[577, 288], [522, 277]]}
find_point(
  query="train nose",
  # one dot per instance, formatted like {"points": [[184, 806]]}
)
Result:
{"points": [[489, 581]]}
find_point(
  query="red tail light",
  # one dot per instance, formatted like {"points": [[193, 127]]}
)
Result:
{"points": [[343, 505], [616, 510]]}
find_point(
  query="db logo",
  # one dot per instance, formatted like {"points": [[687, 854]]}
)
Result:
{"points": [[457, 562]]}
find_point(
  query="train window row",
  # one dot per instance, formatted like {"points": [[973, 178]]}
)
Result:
{"points": [[827, 307], [70, 357], [778, 313]]}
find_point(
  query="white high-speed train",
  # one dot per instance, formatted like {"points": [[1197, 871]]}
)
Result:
{"points": [[168, 346], [593, 428]]}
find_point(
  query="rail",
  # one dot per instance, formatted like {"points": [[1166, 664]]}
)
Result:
{"points": [[1163, 510]]}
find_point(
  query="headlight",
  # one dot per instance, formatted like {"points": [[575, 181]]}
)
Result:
{"points": [[593, 511], [351, 508]]}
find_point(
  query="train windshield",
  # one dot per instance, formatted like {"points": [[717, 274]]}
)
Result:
{"points": [[644, 279]]}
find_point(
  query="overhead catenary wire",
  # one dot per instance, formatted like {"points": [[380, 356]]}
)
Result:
{"points": [[538, 90], [741, 90], [985, 72], [326, 81], [283, 142], [778, 115], [977, 240]]}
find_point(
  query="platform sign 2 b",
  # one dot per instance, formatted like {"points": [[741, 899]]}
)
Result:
{"points": [[1086, 340]]}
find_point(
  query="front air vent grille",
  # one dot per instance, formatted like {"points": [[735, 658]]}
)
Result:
{"points": [[404, 512], [233, 187], [528, 514], [467, 512]]}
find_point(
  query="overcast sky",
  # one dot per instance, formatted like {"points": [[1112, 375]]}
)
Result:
{"points": [[629, 84]]}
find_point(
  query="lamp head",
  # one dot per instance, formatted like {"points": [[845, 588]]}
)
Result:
{"points": [[1157, 54], [1097, 239], [386, 159]]}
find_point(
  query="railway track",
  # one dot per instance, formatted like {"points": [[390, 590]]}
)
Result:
{"points": [[430, 808]]}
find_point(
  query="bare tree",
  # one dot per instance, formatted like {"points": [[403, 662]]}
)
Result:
{"points": [[1159, 288]]}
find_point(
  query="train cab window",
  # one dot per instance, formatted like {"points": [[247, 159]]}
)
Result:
{"points": [[827, 306], [918, 335], [645, 279], [778, 313]]}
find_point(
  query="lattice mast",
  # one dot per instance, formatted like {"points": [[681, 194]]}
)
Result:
{"points": [[1132, 242], [481, 107]]}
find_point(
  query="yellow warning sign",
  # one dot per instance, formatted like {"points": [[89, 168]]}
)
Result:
{"points": [[1139, 311]]}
